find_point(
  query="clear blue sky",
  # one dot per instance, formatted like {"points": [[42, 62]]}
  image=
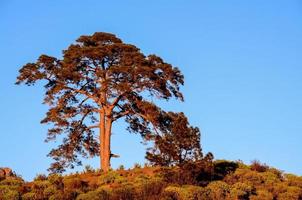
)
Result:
{"points": [[241, 61]]}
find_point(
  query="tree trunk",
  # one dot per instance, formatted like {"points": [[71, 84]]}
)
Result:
{"points": [[102, 138], [105, 136], [107, 149]]}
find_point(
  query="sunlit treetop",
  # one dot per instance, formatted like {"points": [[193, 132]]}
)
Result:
{"points": [[99, 80]]}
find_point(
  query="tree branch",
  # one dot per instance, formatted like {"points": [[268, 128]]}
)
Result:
{"points": [[93, 126], [120, 114]]}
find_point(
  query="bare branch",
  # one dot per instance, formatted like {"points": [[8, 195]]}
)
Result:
{"points": [[93, 126]]}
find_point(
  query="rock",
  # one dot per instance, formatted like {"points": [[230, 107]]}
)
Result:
{"points": [[6, 172], [2, 173]]}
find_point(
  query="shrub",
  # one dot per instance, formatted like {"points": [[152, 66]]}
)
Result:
{"points": [[40, 177], [12, 181], [245, 176], [185, 193], [9, 192], [111, 177], [241, 191], [74, 183], [124, 192], [56, 180], [29, 196], [149, 189], [223, 168], [292, 193], [59, 195], [262, 195], [293, 180], [38, 188], [219, 190], [11, 195], [89, 169], [258, 166], [121, 167], [49, 191], [137, 166], [192, 173]]}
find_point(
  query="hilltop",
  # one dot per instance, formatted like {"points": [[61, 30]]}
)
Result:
{"points": [[218, 180]]}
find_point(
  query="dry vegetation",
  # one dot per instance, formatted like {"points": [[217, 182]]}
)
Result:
{"points": [[99, 80], [209, 181]]}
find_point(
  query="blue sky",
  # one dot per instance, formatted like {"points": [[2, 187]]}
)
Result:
{"points": [[241, 61]]}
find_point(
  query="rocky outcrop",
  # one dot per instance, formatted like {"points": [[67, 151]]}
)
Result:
{"points": [[6, 172]]}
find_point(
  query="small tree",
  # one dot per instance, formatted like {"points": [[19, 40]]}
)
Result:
{"points": [[99, 80], [177, 143]]}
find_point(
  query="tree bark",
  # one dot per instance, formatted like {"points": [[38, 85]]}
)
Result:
{"points": [[105, 139], [107, 145], [102, 138]]}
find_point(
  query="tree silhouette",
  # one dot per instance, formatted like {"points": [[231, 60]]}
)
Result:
{"points": [[99, 80]]}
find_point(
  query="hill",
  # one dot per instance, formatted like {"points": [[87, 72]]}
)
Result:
{"points": [[201, 181]]}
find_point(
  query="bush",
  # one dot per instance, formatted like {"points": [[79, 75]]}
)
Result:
{"points": [[137, 166], [74, 183], [9, 193], [258, 166], [292, 193], [219, 190], [40, 177], [188, 192], [12, 181], [59, 195], [223, 168], [111, 177], [89, 169], [262, 195], [124, 192], [192, 173], [241, 191], [121, 167], [29, 196], [149, 189], [56, 180], [49, 191], [293, 180]]}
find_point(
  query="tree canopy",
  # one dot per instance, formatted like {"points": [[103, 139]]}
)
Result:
{"points": [[99, 80], [177, 144]]}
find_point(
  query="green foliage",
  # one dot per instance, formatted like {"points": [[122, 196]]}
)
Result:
{"points": [[121, 167]]}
